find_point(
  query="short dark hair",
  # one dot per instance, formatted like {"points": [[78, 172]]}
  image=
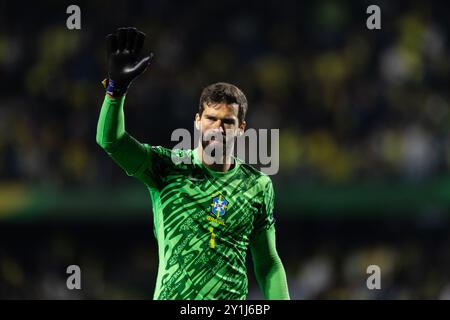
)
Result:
{"points": [[222, 92]]}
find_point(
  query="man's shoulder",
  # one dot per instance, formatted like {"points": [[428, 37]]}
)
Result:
{"points": [[254, 173], [173, 155]]}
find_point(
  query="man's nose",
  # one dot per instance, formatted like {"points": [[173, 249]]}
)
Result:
{"points": [[220, 126]]}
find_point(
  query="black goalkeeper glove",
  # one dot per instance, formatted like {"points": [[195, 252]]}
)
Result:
{"points": [[124, 65]]}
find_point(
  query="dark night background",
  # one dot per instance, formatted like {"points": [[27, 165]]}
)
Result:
{"points": [[364, 140]]}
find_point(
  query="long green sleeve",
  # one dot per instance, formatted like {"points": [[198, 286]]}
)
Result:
{"points": [[128, 153], [269, 270]]}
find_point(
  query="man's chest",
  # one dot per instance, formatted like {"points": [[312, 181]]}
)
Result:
{"points": [[225, 207]]}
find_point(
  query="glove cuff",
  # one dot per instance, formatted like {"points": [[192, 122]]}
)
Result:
{"points": [[113, 89]]}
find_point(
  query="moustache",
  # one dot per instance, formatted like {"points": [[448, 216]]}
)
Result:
{"points": [[214, 136]]}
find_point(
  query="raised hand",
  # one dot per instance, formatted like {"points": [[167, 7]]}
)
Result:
{"points": [[124, 62]]}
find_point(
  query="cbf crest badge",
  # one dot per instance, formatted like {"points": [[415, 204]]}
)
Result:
{"points": [[219, 206]]}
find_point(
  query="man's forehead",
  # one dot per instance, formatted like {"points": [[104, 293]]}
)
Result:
{"points": [[214, 108]]}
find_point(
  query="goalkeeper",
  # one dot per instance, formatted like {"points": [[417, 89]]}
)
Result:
{"points": [[206, 213]]}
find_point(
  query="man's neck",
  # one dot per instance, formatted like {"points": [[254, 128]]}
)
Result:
{"points": [[227, 162]]}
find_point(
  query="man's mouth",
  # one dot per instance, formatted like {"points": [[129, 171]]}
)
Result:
{"points": [[214, 139]]}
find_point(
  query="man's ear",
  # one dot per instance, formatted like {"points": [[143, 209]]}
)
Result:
{"points": [[197, 121], [242, 128]]}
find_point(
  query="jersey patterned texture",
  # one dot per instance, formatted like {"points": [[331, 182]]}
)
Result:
{"points": [[203, 223]]}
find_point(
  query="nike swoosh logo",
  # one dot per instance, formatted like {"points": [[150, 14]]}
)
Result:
{"points": [[195, 179]]}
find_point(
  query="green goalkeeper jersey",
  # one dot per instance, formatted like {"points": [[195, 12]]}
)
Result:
{"points": [[204, 220]]}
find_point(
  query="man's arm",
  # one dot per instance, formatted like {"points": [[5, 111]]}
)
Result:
{"points": [[128, 153], [269, 270]]}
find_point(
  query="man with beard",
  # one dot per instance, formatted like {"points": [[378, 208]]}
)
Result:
{"points": [[207, 211]]}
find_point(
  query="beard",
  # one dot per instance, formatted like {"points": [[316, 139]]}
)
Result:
{"points": [[216, 146]]}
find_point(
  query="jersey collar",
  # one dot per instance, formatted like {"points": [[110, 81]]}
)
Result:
{"points": [[214, 173]]}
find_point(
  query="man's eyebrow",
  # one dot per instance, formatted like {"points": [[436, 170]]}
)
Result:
{"points": [[232, 118], [229, 119]]}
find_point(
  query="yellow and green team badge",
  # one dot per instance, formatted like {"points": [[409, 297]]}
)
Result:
{"points": [[219, 206]]}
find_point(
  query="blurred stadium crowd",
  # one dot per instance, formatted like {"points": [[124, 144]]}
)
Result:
{"points": [[351, 105], [120, 261]]}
